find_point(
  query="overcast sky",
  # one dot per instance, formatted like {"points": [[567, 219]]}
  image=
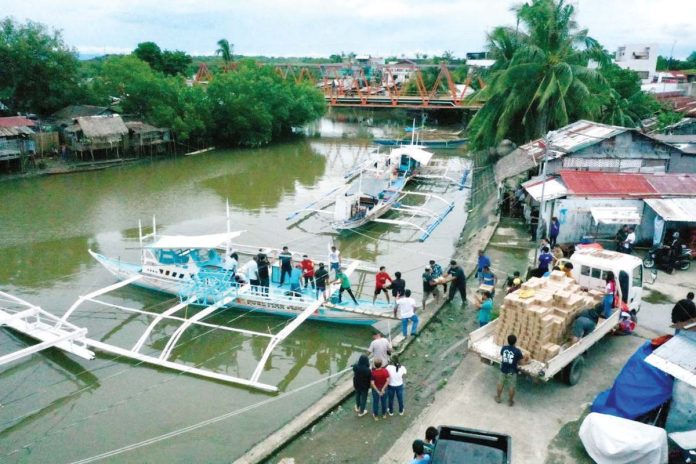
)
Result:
{"points": [[323, 27]]}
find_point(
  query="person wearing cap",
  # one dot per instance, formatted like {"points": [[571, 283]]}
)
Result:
{"points": [[458, 280], [307, 271], [321, 277], [429, 286], [513, 283]]}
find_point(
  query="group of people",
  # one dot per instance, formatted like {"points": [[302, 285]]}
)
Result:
{"points": [[384, 378], [625, 239]]}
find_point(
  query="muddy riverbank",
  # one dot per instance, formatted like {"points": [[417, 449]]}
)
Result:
{"points": [[430, 358]]}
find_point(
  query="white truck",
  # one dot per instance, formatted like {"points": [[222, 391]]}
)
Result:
{"points": [[589, 269]]}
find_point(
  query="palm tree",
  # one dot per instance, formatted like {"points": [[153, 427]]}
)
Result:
{"points": [[540, 80], [225, 50]]}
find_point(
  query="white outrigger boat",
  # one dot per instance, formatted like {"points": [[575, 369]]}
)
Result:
{"points": [[189, 266], [380, 188]]}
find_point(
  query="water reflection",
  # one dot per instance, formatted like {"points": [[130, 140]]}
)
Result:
{"points": [[40, 264], [262, 177]]}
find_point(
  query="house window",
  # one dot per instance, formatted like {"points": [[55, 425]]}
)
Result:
{"points": [[643, 74]]}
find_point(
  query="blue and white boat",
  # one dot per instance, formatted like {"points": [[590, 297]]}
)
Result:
{"points": [[191, 267]]}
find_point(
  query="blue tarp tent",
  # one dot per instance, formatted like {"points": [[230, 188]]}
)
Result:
{"points": [[638, 389]]}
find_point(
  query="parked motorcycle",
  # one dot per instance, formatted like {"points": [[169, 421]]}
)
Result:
{"points": [[661, 258]]}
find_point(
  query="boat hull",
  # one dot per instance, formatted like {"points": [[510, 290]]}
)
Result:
{"points": [[276, 303]]}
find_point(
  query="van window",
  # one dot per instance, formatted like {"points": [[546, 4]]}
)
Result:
{"points": [[596, 273], [585, 270], [638, 276]]}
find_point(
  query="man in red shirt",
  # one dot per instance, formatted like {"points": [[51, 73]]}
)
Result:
{"points": [[378, 384], [307, 271], [381, 284]]}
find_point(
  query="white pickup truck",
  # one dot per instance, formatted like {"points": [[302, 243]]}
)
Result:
{"points": [[589, 269]]}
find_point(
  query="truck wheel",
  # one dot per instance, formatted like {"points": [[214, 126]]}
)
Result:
{"points": [[573, 371], [648, 262]]}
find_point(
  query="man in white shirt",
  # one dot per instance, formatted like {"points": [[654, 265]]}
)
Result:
{"points": [[250, 271], [406, 308], [627, 246], [380, 348], [334, 258]]}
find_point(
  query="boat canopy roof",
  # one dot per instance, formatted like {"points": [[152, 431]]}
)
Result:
{"points": [[194, 241], [415, 152]]}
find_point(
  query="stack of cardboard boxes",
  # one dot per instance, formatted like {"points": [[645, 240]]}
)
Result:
{"points": [[541, 314]]}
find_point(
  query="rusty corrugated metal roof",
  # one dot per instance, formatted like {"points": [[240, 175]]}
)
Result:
{"points": [[16, 121], [624, 185]]}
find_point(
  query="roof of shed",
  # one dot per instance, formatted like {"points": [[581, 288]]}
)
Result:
{"points": [[16, 121], [617, 184], [78, 111], [101, 126], [15, 131]]}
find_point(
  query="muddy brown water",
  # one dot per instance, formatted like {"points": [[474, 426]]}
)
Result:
{"points": [[58, 408]]}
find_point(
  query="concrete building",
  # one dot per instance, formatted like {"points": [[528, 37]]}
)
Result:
{"points": [[639, 58], [592, 205], [586, 145]]}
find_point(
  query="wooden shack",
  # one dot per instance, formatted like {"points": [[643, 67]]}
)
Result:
{"points": [[101, 136]]}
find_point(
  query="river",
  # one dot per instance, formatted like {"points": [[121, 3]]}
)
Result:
{"points": [[59, 408]]}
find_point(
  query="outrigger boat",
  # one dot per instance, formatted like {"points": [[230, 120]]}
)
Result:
{"points": [[190, 267], [380, 188]]}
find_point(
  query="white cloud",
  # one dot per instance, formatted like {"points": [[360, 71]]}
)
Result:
{"points": [[322, 27]]}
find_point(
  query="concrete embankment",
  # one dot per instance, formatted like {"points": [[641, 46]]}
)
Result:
{"points": [[444, 341]]}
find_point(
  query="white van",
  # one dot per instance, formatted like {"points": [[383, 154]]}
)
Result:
{"points": [[590, 267]]}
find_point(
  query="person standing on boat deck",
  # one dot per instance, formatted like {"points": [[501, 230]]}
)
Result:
{"points": [[437, 273], [362, 378], [264, 274], [250, 271], [381, 283], [285, 258], [406, 307], [334, 259], [307, 271], [343, 279], [398, 285], [458, 279], [231, 262], [321, 278], [296, 280]]}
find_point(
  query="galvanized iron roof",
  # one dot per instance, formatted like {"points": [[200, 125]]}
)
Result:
{"points": [[628, 185], [677, 357], [674, 209], [16, 121]]}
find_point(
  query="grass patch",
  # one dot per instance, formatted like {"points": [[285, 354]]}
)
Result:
{"points": [[656, 297], [566, 447]]}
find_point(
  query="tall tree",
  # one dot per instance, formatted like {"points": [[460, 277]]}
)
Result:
{"points": [[225, 50], [38, 72], [540, 80], [150, 53]]}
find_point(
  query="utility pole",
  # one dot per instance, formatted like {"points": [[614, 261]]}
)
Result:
{"points": [[541, 230]]}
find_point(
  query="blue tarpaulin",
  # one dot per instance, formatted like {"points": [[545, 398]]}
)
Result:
{"points": [[638, 389]]}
